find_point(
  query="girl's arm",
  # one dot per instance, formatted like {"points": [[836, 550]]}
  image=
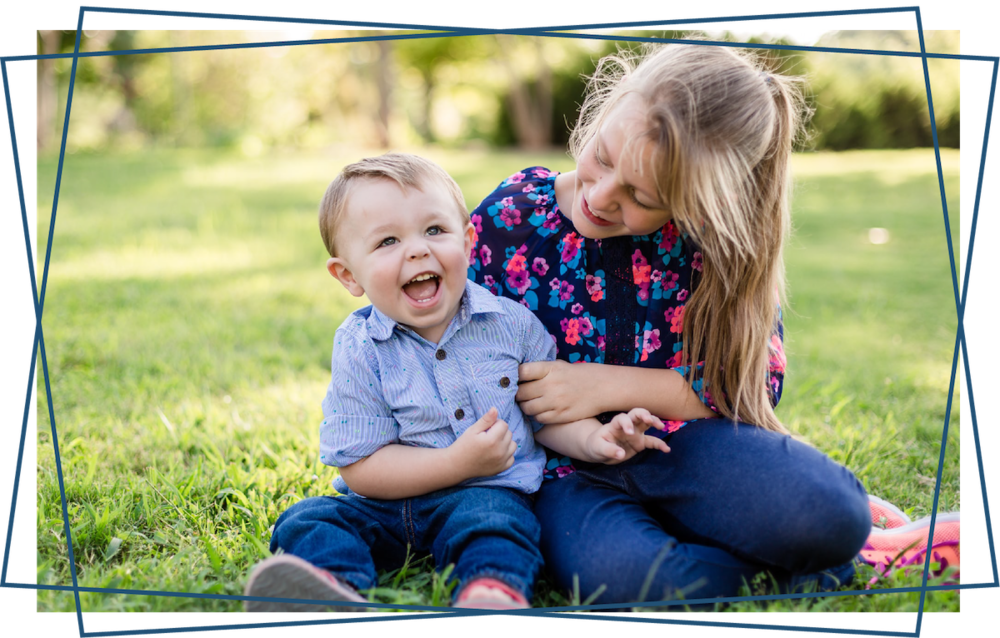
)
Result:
{"points": [[402, 471], [560, 392]]}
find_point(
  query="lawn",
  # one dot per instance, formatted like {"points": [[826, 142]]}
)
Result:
{"points": [[189, 321]]}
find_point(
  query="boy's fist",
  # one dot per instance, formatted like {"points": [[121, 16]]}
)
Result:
{"points": [[486, 448], [624, 436]]}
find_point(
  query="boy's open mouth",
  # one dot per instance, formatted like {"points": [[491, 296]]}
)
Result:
{"points": [[423, 287]]}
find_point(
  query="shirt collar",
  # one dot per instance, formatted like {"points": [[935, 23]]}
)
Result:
{"points": [[476, 300]]}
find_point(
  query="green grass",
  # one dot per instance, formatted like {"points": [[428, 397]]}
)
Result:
{"points": [[189, 319]]}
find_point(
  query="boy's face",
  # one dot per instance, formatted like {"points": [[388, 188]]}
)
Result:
{"points": [[408, 250]]}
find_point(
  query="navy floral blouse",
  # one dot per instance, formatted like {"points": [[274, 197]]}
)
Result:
{"points": [[618, 300]]}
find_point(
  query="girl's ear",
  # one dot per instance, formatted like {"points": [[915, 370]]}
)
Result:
{"points": [[341, 272]]}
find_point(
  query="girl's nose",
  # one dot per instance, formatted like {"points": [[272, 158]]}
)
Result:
{"points": [[603, 195]]}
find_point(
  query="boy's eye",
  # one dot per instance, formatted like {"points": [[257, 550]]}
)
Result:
{"points": [[435, 230], [388, 241]]}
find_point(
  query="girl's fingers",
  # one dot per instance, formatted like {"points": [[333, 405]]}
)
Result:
{"points": [[533, 370], [532, 407], [527, 390]]}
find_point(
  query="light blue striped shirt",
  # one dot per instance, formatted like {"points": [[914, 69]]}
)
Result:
{"points": [[390, 385]]}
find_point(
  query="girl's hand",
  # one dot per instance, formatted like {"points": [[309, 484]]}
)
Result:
{"points": [[486, 448], [624, 437], [559, 392]]}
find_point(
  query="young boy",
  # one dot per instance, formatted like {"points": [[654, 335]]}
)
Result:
{"points": [[420, 415]]}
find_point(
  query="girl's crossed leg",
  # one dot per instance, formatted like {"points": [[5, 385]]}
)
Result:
{"points": [[727, 502]]}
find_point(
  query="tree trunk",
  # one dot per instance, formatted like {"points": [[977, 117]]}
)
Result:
{"points": [[384, 81], [531, 115], [48, 91]]}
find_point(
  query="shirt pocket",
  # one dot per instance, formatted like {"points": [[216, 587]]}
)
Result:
{"points": [[495, 386]]}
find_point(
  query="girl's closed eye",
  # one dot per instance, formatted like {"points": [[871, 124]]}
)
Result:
{"points": [[597, 154]]}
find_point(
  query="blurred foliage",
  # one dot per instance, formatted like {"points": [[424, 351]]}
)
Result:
{"points": [[494, 90]]}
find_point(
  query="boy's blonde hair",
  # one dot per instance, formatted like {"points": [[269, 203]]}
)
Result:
{"points": [[723, 127], [405, 169]]}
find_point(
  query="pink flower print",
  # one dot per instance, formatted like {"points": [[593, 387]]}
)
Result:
{"points": [[563, 471], [507, 202], [593, 285], [670, 236], [545, 173], [540, 266], [573, 332], [519, 280], [677, 321], [542, 200], [576, 308], [510, 216], [655, 276], [555, 283], [600, 343], [565, 291], [571, 246], [477, 221], [586, 327], [489, 281], [682, 295], [486, 255], [673, 426], [524, 302], [670, 280], [551, 222], [516, 263], [696, 262], [651, 340], [515, 178], [528, 188], [541, 212], [777, 360], [640, 274], [674, 361]]}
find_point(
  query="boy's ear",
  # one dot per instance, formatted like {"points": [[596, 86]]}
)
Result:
{"points": [[471, 237], [342, 273]]}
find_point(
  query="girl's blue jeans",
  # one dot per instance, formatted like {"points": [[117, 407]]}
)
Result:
{"points": [[484, 531], [727, 502]]}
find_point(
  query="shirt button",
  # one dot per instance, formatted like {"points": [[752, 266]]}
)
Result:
{"points": [[460, 414], [440, 354], [504, 382]]}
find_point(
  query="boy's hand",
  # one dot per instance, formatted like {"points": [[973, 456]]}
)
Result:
{"points": [[486, 448], [624, 436]]}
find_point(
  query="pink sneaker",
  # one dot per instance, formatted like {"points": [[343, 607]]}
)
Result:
{"points": [[906, 546], [287, 576], [466, 601], [885, 515]]}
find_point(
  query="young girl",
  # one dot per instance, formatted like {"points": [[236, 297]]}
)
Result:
{"points": [[657, 263]]}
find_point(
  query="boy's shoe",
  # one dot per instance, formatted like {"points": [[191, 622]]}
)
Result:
{"points": [[467, 601], [287, 576], [885, 515], [906, 546]]}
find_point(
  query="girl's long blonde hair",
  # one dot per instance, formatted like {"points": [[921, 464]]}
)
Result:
{"points": [[723, 128]]}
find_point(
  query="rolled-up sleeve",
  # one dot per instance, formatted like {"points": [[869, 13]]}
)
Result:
{"points": [[357, 421]]}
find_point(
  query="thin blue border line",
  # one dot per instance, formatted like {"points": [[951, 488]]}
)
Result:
{"points": [[466, 33], [643, 23], [62, 487], [925, 59], [965, 349], [34, 347], [489, 612], [958, 332], [965, 587], [65, 131]]}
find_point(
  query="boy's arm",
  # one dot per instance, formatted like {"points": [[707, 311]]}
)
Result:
{"points": [[402, 471], [613, 442]]}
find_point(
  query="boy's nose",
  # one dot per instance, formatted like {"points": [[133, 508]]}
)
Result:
{"points": [[417, 250]]}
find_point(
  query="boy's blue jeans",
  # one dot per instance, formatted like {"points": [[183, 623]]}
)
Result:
{"points": [[727, 502], [484, 531]]}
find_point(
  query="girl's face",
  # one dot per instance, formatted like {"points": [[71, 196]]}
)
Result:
{"points": [[614, 192]]}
